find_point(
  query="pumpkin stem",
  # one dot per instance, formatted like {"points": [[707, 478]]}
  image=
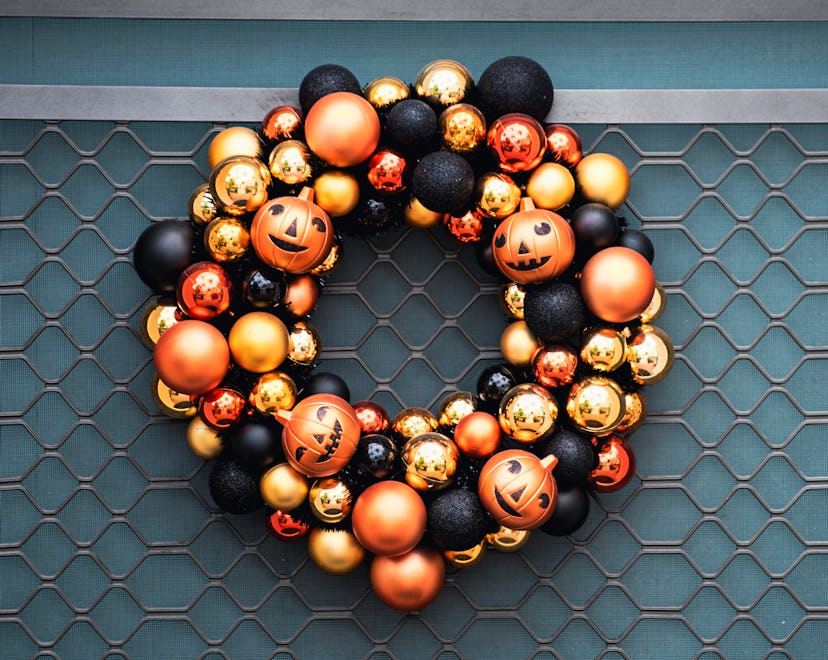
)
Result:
{"points": [[306, 193], [283, 416], [549, 462], [526, 204]]}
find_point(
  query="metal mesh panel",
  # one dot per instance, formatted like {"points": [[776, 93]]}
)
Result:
{"points": [[110, 545]]}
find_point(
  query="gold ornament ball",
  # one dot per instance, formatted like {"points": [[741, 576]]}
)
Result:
{"points": [[337, 192], [454, 408], [418, 216], [291, 162], [635, 412], [384, 92], [551, 186], [160, 315], [332, 261], [650, 354], [412, 422], [233, 141], [330, 500], [528, 413], [508, 540], [656, 306], [603, 178], [430, 461], [226, 239], [335, 551], [462, 128], [518, 345], [603, 348], [305, 343], [466, 558], [258, 342], [273, 391], [239, 184], [596, 405], [170, 402], [202, 206], [511, 297], [283, 488], [443, 83], [496, 195], [204, 442]]}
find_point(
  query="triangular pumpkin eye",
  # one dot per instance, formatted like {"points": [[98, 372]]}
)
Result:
{"points": [[543, 228], [277, 209], [291, 230], [500, 240], [319, 224]]}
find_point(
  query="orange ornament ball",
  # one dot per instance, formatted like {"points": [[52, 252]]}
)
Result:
{"points": [[617, 284], [301, 295], [409, 582], [233, 141], [389, 518], [603, 178], [477, 435], [259, 342], [342, 128], [192, 357]]}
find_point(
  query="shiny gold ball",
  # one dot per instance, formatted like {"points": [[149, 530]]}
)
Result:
{"points": [[201, 205], [258, 342], [384, 92], [332, 261], [453, 408], [518, 345], [511, 296], [330, 500], [656, 306], [528, 413], [233, 141], [337, 192], [305, 343], [412, 422], [418, 216], [603, 178], [335, 551], [170, 402], [635, 412], [430, 461], [272, 392], [596, 405], [551, 186], [160, 315], [226, 239], [239, 184], [466, 558], [496, 195], [443, 83], [650, 354], [204, 441], [283, 488], [462, 128], [603, 348], [508, 540], [291, 162]]}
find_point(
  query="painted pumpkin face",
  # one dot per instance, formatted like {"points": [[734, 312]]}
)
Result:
{"points": [[533, 245], [517, 489], [292, 233], [320, 434]]}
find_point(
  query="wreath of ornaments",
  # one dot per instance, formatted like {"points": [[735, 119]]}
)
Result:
{"points": [[234, 349]]}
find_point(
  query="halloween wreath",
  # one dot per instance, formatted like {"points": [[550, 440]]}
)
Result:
{"points": [[234, 348]]}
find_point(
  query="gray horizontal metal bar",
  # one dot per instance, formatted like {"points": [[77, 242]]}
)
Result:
{"points": [[586, 106], [429, 10]]}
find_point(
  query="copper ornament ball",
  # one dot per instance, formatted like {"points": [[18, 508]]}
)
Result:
{"points": [[411, 581], [388, 170], [616, 465], [284, 122], [466, 228], [554, 365], [204, 291], [372, 417], [517, 142], [192, 357], [284, 526], [563, 144], [478, 435], [222, 408], [301, 295], [342, 128], [389, 518], [617, 284]]}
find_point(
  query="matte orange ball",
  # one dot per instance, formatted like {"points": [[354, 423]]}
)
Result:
{"points": [[603, 178], [233, 141], [389, 518], [259, 342], [342, 128], [478, 435], [411, 581], [301, 295], [192, 357], [617, 284]]}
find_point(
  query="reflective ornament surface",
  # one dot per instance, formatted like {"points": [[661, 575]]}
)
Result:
{"points": [[563, 144], [160, 315], [508, 540], [201, 205], [284, 526], [466, 558], [443, 83], [222, 407], [385, 91], [304, 343], [239, 184], [388, 171], [282, 487], [551, 186], [376, 456], [291, 162], [335, 551], [616, 465], [332, 261], [226, 239], [517, 142], [272, 392], [258, 342], [656, 306], [467, 228], [596, 405], [462, 128], [170, 402], [233, 141], [496, 195], [284, 122], [411, 422], [635, 412], [518, 344], [330, 500], [204, 291], [554, 365], [263, 288], [528, 413], [454, 408], [650, 354], [511, 297], [430, 461], [372, 417], [301, 295], [603, 349], [204, 442]]}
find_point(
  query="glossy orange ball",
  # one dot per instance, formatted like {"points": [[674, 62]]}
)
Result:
{"points": [[411, 581], [192, 357], [617, 284], [204, 291], [372, 417], [517, 142], [222, 407], [342, 128], [563, 144], [477, 435], [616, 465], [389, 518], [554, 365], [301, 295], [282, 123]]}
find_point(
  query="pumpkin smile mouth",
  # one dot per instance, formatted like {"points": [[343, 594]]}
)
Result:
{"points": [[288, 247], [505, 505], [531, 264]]}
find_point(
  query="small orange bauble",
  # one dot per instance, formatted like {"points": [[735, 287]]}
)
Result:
{"points": [[411, 581], [222, 407], [533, 245], [301, 295], [233, 141], [320, 434], [478, 435], [617, 284], [517, 488], [372, 417], [389, 518], [603, 178], [292, 233], [342, 128], [258, 342], [616, 465], [192, 357]]}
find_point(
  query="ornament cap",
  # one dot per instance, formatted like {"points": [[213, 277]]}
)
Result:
{"points": [[549, 462], [306, 193]]}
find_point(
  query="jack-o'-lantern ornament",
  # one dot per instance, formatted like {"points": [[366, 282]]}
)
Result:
{"points": [[292, 233], [320, 434], [517, 488], [533, 245]]}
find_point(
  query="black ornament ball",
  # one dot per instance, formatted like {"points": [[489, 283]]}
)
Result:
{"points": [[162, 252], [515, 84], [492, 383], [376, 456], [264, 288], [326, 79], [595, 227], [234, 489], [570, 513], [484, 253], [553, 310], [411, 123], [443, 182], [255, 445], [373, 214], [457, 520], [638, 241], [323, 382], [575, 454]]}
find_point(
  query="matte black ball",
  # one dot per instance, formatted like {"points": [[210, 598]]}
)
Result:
{"points": [[571, 512], [638, 241], [162, 252], [443, 182], [264, 288], [326, 383], [553, 310], [515, 84], [376, 456], [255, 445], [492, 383], [595, 227], [234, 489], [457, 520], [323, 80], [575, 454], [411, 123]]}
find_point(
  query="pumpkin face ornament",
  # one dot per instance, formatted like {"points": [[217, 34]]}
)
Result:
{"points": [[517, 489], [533, 245], [292, 233], [320, 434]]}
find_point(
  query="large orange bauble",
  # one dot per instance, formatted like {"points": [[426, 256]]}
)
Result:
{"points": [[192, 357], [517, 488], [320, 434], [617, 284], [533, 245], [411, 581], [292, 233], [342, 128], [389, 518]]}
